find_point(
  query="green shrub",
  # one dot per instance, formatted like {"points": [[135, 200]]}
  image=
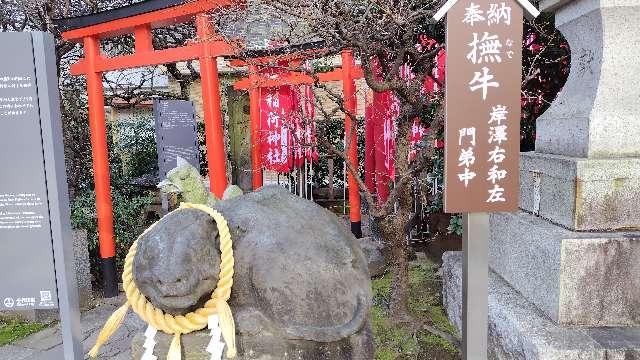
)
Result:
{"points": [[334, 129], [132, 154], [11, 331], [455, 225], [136, 146], [128, 206]]}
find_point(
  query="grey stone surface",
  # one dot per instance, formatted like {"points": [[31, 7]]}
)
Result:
{"points": [[519, 331], [581, 194], [83, 267], [597, 113], [15, 352], [574, 278], [301, 281], [193, 346], [452, 273], [178, 261], [36, 316], [373, 251], [262, 347]]}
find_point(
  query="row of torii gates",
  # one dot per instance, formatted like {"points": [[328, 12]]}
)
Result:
{"points": [[139, 20]]}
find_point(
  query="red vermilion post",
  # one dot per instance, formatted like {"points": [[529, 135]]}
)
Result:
{"points": [[254, 111], [211, 107], [369, 149], [143, 39], [349, 96], [100, 154]]}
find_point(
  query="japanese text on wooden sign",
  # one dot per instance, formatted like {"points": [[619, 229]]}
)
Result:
{"points": [[484, 67]]}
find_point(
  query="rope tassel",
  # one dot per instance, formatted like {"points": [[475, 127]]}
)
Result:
{"points": [[228, 327], [110, 327], [175, 350]]}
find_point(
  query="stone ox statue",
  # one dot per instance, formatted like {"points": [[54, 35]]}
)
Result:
{"points": [[301, 286]]}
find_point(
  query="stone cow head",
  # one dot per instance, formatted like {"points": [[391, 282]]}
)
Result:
{"points": [[178, 263]]}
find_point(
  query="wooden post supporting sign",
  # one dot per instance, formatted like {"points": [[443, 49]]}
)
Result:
{"points": [[482, 137]]}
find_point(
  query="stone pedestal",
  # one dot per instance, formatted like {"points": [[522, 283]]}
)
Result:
{"points": [[574, 252], [596, 114], [83, 268], [574, 278], [582, 194], [519, 331]]}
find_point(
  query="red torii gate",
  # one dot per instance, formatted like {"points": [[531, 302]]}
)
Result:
{"points": [[348, 73], [138, 20]]}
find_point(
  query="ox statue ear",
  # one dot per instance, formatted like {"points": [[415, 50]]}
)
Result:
{"points": [[231, 192], [168, 187]]}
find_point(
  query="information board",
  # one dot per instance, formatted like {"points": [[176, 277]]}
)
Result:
{"points": [[27, 273], [482, 128], [176, 134]]}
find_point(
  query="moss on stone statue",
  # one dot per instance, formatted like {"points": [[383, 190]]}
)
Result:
{"points": [[398, 341], [14, 330]]}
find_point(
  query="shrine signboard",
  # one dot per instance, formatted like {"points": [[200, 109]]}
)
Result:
{"points": [[482, 138], [482, 131], [176, 134], [36, 262], [27, 272]]}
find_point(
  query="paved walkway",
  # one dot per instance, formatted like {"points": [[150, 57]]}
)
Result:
{"points": [[47, 344]]}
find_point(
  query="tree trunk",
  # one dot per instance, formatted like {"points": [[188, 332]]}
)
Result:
{"points": [[397, 228], [400, 284], [184, 89], [396, 241]]}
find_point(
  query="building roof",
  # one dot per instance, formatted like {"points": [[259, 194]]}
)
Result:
{"points": [[262, 27], [145, 6]]}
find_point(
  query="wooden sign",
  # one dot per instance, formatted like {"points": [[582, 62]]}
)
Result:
{"points": [[482, 130], [482, 138]]}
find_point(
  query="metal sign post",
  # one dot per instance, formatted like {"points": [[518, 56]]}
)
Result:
{"points": [[475, 279], [482, 137], [36, 264], [58, 194]]}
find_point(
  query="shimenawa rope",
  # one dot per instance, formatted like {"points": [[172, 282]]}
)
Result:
{"points": [[193, 321]]}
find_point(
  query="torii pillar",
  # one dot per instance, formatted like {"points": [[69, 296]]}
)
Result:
{"points": [[350, 105], [213, 126]]}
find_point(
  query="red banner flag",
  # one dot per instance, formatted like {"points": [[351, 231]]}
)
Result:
{"points": [[304, 129], [286, 139], [277, 107], [381, 114]]}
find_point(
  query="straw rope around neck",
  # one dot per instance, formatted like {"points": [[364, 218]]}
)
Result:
{"points": [[181, 324]]}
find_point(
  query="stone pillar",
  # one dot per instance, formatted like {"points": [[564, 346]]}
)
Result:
{"points": [[596, 114], [574, 251], [584, 172]]}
